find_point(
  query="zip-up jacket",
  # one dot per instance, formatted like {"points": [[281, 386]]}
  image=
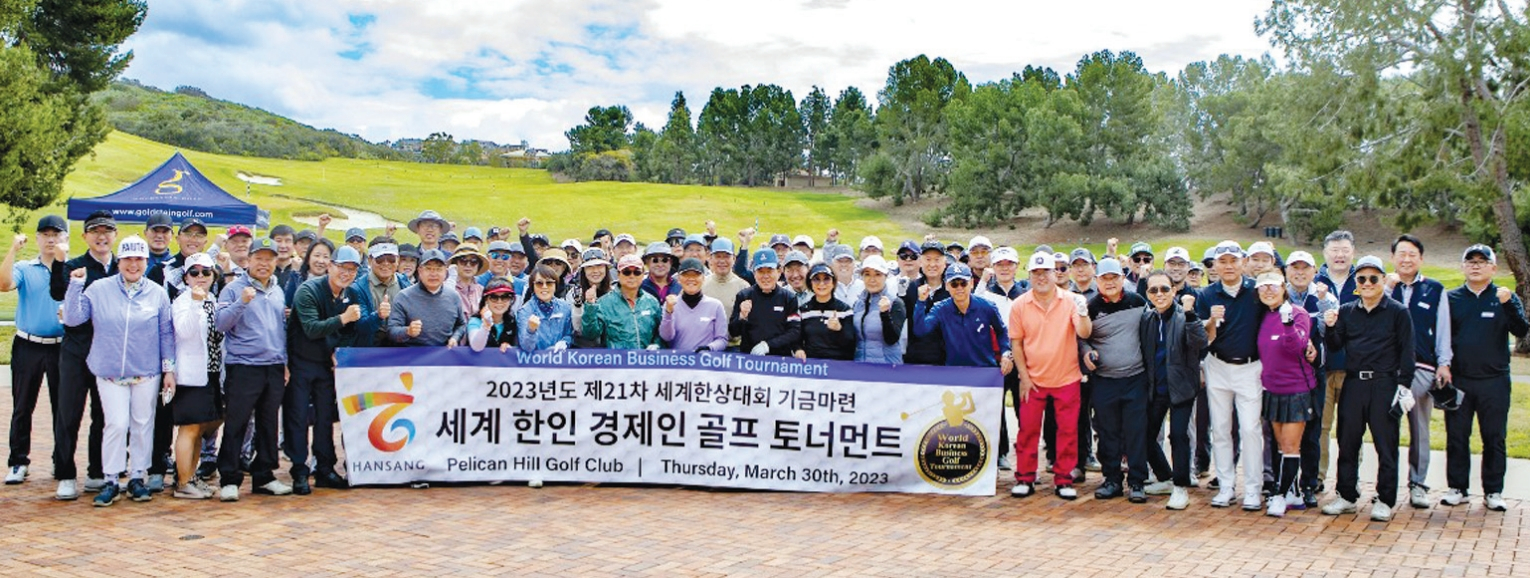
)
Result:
{"points": [[972, 339], [1345, 294], [1481, 326], [926, 349], [880, 333], [371, 330], [1184, 339], [611, 323], [315, 328], [77, 337], [818, 341], [134, 334], [1117, 334], [555, 324], [773, 319], [254, 333]]}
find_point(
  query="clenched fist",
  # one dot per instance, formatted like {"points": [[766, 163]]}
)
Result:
{"points": [[1187, 302], [198, 293], [351, 314], [924, 292], [248, 296], [532, 323], [669, 303], [590, 296], [1218, 312], [324, 220], [1331, 317], [415, 327], [744, 309], [1504, 294], [21, 241], [77, 273], [885, 304], [833, 322], [524, 225]]}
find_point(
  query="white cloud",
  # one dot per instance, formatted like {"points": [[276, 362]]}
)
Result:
{"points": [[512, 70]]}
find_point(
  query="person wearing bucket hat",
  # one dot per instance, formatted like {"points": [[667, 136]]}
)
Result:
{"points": [[429, 312], [1376, 334], [1483, 316], [493, 325], [132, 355], [76, 382], [35, 349], [970, 327], [326, 315], [1044, 326], [627, 318], [661, 264], [251, 313], [929, 286], [826, 329], [468, 263], [692, 321], [878, 316], [591, 282], [1286, 355], [765, 316], [560, 266], [1430, 310], [723, 283], [429, 226]]}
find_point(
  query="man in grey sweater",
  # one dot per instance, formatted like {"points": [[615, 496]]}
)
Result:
{"points": [[427, 313]]}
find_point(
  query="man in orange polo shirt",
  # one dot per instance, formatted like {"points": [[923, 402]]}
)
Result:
{"points": [[1045, 325]]}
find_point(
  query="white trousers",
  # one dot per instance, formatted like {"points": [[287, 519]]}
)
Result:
{"points": [[129, 428], [1230, 387]]}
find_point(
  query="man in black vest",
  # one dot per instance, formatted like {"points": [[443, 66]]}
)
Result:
{"points": [[1426, 303]]}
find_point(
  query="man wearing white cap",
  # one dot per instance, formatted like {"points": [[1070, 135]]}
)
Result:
{"points": [[1176, 265], [1233, 313], [1301, 269], [804, 243], [978, 253], [1261, 259], [1045, 325], [376, 288], [1002, 289], [871, 245]]}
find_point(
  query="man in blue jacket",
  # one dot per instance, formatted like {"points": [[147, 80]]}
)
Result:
{"points": [[972, 329], [252, 316]]}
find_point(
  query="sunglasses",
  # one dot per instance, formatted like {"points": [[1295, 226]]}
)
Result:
{"points": [[1063, 269], [199, 272], [823, 279], [501, 297], [907, 257], [1160, 289], [655, 260], [545, 283], [1477, 263], [386, 259], [499, 256], [471, 262], [1367, 279], [1141, 260], [956, 283], [632, 272]]}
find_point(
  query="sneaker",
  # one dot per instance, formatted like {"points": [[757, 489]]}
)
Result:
{"points": [[1215, 484], [273, 488], [1252, 501], [1381, 512], [1135, 495], [1179, 499], [301, 487], [139, 491], [17, 475], [201, 485], [68, 490], [1067, 493], [1202, 474], [1339, 506], [1223, 499], [1295, 502], [207, 470], [229, 493], [1107, 491], [94, 484], [1495, 503], [1022, 490], [1077, 474], [1309, 499], [190, 491], [1277, 507], [156, 483], [1159, 488], [1418, 496], [1007, 463], [330, 480], [108, 496], [1453, 497], [1092, 464]]}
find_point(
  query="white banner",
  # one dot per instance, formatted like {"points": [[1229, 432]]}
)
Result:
{"points": [[661, 417]]}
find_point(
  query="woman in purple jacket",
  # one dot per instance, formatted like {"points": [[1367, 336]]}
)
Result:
{"points": [[133, 348], [1284, 337]]}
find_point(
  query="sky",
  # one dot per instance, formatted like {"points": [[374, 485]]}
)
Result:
{"points": [[512, 70]]}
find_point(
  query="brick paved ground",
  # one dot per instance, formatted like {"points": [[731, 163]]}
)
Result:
{"points": [[574, 530]]}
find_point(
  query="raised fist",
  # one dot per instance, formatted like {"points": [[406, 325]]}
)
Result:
{"points": [[1320, 290], [669, 303], [19, 242], [744, 308], [198, 293], [885, 304], [1504, 294], [324, 220], [351, 314], [712, 228], [533, 322], [415, 327], [524, 225], [1331, 317], [1187, 302], [248, 296]]}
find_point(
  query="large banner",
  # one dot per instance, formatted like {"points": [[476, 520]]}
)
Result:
{"points": [[664, 417]]}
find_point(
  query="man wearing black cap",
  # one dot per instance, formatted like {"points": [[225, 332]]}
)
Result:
{"points": [[76, 382], [1377, 335], [191, 238], [1482, 316], [35, 350]]}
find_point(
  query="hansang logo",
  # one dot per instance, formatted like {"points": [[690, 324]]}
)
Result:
{"points": [[392, 404]]}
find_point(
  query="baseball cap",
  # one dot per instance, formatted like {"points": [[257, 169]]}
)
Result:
{"points": [[1370, 262], [499, 246], [795, 256], [1140, 247], [694, 239], [1301, 257], [1270, 278], [540, 239], [303, 234], [100, 219], [601, 233], [1040, 260], [1177, 253], [979, 241], [837, 252], [1108, 266], [624, 238], [871, 241], [932, 245], [820, 269], [803, 240], [721, 245], [444, 238], [1003, 254], [1197, 266], [160, 219], [54, 222], [692, 265], [1484, 251], [572, 244], [762, 259], [908, 247], [238, 230], [630, 262], [515, 248], [263, 245], [958, 271], [131, 247], [382, 249], [1081, 254], [1261, 247], [955, 245], [408, 251], [347, 254], [874, 262], [657, 248], [1227, 248], [358, 233], [195, 222], [473, 233], [779, 239], [198, 260], [593, 256], [675, 233], [429, 255], [1044, 249]]}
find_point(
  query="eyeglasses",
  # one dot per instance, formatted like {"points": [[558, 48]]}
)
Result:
{"points": [[199, 272], [500, 256], [1367, 279], [1477, 263], [545, 283], [632, 272], [956, 283], [195, 235]]}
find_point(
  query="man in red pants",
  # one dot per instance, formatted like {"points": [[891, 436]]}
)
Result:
{"points": [[1045, 325]]}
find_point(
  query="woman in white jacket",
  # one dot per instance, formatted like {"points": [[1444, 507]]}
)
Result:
{"points": [[198, 405]]}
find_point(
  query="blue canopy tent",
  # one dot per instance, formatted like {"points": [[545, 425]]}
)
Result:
{"points": [[176, 188]]}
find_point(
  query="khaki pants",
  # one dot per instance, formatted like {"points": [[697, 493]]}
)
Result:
{"points": [[1333, 387]]}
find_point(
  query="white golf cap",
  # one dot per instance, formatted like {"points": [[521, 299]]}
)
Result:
{"points": [[131, 247], [1041, 261], [1003, 254], [1261, 247], [1177, 253], [979, 241], [1301, 257], [874, 262], [803, 240], [871, 241]]}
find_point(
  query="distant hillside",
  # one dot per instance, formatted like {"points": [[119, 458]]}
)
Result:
{"points": [[190, 118]]}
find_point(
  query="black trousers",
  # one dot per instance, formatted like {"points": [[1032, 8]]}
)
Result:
{"points": [[1312, 439], [1011, 387], [1203, 431], [250, 390], [75, 383], [1179, 439], [30, 363], [310, 398], [1488, 401], [1120, 415], [1085, 429], [164, 436], [1366, 405]]}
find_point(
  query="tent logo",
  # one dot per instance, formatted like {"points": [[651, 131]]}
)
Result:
{"points": [[169, 186], [392, 403]]}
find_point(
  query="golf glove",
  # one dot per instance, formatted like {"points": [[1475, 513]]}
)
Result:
{"points": [[1404, 399], [761, 348], [1286, 314]]}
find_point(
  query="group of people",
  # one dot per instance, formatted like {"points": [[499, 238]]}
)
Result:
{"points": [[1251, 356]]}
